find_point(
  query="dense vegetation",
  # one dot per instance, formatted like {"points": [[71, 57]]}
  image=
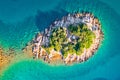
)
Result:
{"points": [[85, 35], [58, 38], [80, 37]]}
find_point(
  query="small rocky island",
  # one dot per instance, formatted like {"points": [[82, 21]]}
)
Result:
{"points": [[74, 38]]}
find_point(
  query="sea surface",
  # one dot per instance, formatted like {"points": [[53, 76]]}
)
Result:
{"points": [[20, 20]]}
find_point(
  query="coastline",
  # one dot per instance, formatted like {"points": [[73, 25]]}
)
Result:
{"points": [[35, 50], [104, 64]]}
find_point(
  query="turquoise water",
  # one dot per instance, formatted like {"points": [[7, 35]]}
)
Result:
{"points": [[104, 65], [17, 21]]}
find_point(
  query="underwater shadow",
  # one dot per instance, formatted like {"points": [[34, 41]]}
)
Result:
{"points": [[100, 78], [45, 19]]}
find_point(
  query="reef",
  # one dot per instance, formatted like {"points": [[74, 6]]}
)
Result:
{"points": [[6, 57]]}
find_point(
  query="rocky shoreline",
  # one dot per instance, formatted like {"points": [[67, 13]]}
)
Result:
{"points": [[38, 52]]}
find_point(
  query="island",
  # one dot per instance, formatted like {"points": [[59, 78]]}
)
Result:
{"points": [[74, 38]]}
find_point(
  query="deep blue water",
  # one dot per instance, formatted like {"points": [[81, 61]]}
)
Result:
{"points": [[104, 65], [18, 20]]}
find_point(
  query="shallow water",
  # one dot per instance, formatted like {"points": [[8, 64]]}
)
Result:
{"points": [[104, 65]]}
